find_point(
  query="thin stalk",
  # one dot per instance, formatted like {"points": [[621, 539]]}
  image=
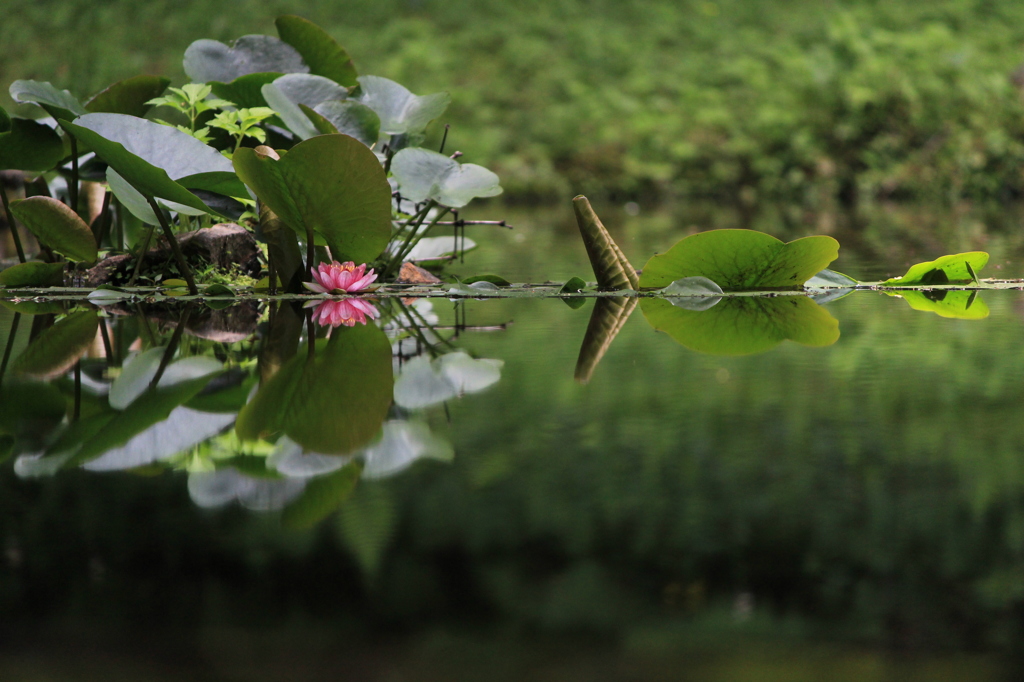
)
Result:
{"points": [[272, 272], [186, 271], [459, 223], [420, 215], [172, 346], [13, 225], [310, 337], [108, 350], [10, 345], [78, 392], [310, 252], [73, 185], [447, 127], [103, 228], [408, 249], [142, 255]]}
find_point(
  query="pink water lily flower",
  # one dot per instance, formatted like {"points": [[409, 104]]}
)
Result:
{"points": [[347, 311], [340, 278]]}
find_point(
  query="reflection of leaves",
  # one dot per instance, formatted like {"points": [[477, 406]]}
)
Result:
{"points": [[610, 265], [29, 411], [744, 325], [958, 268], [403, 443], [138, 371], [963, 305], [60, 346], [322, 496], [608, 317], [366, 524], [153, 406], [331, 184], [332, 403], [739, 260], [424, 382]]}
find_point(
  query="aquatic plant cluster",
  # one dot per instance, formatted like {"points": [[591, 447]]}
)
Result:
{"points": [[337, 164]]}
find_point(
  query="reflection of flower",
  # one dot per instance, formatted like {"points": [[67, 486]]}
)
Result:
{"points": [[347, 311], [340, 278]]}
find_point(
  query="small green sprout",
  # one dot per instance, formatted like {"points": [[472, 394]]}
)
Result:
{"points": [[243, 123], [191, 100]]}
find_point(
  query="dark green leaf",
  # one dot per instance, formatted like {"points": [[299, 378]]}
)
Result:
{"points": [[148, 155], [741, 260], [128, 96], [245, 91], [217, 182], [5, 121], [951, 269], [334, 403], [493, 279], [744, 325], [423, 174], [209, 60], [573, 285], [322, 496], [33, 274], [218, 290], [319, 50], [30, 410], [60, 104], [58, 348], [574, 302], [331, 184], [30, 146], [56, 226]]}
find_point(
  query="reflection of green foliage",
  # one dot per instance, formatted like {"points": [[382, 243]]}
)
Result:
{"points": [[334, 402], [739, 260], [58, 348], [960, 268], [964, 305], [744, 325]]}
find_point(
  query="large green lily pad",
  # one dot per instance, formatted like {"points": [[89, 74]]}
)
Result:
{"points": [[211, 60], [321, 52], [333, 403], [56, 226], [60, 104], [959, 268], [744, 325], [400, 111], [741, 260], [331, 184], [348, 117]]}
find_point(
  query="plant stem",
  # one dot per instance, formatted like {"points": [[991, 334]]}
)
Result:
{"points": [[108, 350], [395, 261], [10, 345], [73, 185], [142, 256], [186, 271], [172, 346], [310, 252], [103, 226], [78, 392], [433, 222], [310, 337], [13, 226]]}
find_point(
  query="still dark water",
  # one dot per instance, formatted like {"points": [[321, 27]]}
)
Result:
{"points": [[435, 497]]}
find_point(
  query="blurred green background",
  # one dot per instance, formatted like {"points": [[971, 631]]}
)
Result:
{"points": [[737, 99]]}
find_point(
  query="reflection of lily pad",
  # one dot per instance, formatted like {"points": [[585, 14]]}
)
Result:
{"points": [[332, 403], [424, 382], [740, 260], [58, 348], [963, 305], [958, 268], [744, 325]]}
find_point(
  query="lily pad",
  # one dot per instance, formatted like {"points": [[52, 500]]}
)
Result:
{"points": [[56, 226], [211, 60], [60, 104], [129, 96], [400, 111], [741, 260], [437, 248], [30, 146], [149, 155], [333, 403], [289, 112], [830, 279], [573, 285], [960, 305], [744, 325], [331, 184], [693, 286], [350, 118], [423, 174], [305, 88], [33, 274], [138, 371], [319, 50], [493, 279], [424, 382], [58, 348], [245, 91], [959, 268]]}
